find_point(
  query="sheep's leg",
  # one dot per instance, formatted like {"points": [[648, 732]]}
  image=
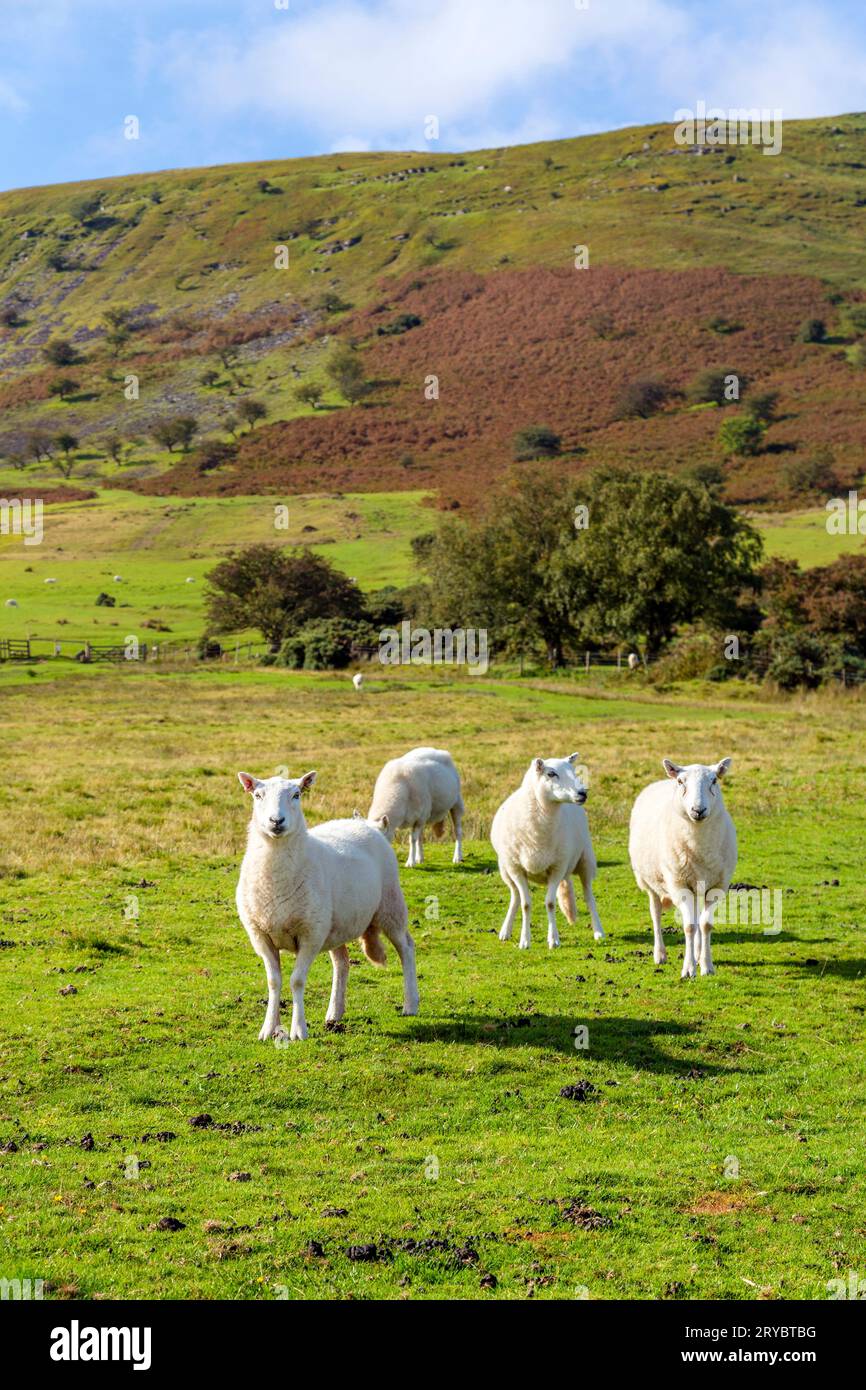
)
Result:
{"points": [[271, 957], [419, 846], [525, 910], [398, 934], [457, 822], [660, 955], [337, 1005], [505, 929], [687, 911], [550, 904], [705, 953], [413, 858], [298, 979], [585, 873]]}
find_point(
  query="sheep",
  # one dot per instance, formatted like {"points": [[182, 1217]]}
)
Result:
{"points": [[541, 835], [11, 603], [633, 661], [118, 579], [50, 581], [421, 788], [309, 891], [683, 851], [358, 680]]}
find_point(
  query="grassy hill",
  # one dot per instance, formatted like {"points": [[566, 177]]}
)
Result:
{"points": [[697, 258]]}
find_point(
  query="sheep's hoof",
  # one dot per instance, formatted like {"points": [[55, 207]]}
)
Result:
{"points": [[269, 1032], [661, 959], [708, 969], [598, 935], [688, 972], [552, 943], [505, 934], [523, 945]]}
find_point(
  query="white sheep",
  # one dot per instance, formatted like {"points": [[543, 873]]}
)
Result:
{"points": [[541, 835], [118, 579], [358, 680], [11, 603], [50, 581], [683, 850], [309, 891], [421, 788], [633, 661]]}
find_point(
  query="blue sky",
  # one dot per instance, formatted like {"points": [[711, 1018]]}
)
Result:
{"points": [[218, 81]]}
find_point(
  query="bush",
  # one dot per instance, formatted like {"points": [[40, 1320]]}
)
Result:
{"points": [[400, 325], [327, 645], [536, 442], [640, 399], [800, 659], [719, 324], [763, 406], [742, 435], [60, 353], [716, 384], [813, 331], [813, 474], [106, 601]]}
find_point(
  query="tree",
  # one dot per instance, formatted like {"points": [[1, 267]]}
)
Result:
{"points": [[308, 393], [741, 435], [40, 445], [60, 353], [622, 569], [67, 444], [186, 427], [251, 411], [114, 445], [277, 592], [762, 406], [209, 378], [640, 399], [536, 442], [816, 473], [177, 429], [213, 453], [346, 370], [84, 208], [63, 387]]}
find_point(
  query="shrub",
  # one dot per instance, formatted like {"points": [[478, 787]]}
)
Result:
{"points": [[816, 473], [763, 406], [741, 435], [640, 399], [346, 371], [719, 324], [251, 411], [813, 331], [536, 442], [63, 388], [403, 324], [721, 385], [60, 353], [327, 644], [331, 303], [106, 601], [308, 393]]}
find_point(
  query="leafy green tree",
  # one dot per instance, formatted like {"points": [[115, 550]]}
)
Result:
{"points": [[277, 592], [742, 435], [63, 387], [719, 385], [346, 370], [308, 393], [251, 411], [67, 444]]}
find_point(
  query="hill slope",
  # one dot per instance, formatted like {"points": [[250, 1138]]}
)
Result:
{"points": [[678, 240]]}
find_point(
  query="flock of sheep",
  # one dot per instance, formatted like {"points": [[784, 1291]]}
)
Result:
{"points": [[308, 891]]}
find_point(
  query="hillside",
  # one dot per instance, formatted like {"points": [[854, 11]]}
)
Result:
{"points": [[698, 258]]}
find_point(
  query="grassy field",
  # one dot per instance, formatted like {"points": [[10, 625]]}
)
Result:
{"points": [[720, 1153], [157, 545], [803, 536]]}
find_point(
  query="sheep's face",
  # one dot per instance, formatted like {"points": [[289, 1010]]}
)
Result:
{"points": [[382, 823], [276, 803], [699, 792], [558, 779]]}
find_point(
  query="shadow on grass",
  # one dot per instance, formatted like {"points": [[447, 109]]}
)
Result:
{"points": [[815, 968], [631, 1041]]}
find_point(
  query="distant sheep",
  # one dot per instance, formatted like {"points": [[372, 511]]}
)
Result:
{"points": [[11, 603], [541, 835], [190, 579], [421, 788], [683, 850], [633, 661], [50, 581], [358, 680], [308, 891], [118, 579]]}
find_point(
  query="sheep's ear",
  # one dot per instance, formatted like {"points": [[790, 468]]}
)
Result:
{"points": [[248, 783], [723, 768], [573, 758], [307, 781], [384, 823], [539, 765], [671, 768], [356, 814]]}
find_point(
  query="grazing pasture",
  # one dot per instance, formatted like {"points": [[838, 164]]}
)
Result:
{"points": [[707, 1142]]}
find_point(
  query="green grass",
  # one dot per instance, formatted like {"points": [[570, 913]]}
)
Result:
{"points": [[156, 544], [449, 1128], [803, 536]]}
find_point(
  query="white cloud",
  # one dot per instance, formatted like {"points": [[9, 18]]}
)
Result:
{"points": [[10, 99], [382, 68]]}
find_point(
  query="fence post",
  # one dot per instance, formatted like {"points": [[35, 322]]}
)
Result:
{"points": [[586, 664]]}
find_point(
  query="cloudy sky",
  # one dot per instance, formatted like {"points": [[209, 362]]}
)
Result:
{"points": [[217, 81]]}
